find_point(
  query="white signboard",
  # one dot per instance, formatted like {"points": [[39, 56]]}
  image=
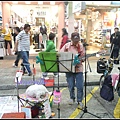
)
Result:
{"points": [[76, 6], [19, 76], [9, 104], [98, 2], [66, 61]]}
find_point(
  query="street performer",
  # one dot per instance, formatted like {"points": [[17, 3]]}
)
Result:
{"points": [[76, 47]]}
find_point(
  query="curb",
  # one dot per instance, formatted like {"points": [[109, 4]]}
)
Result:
{"points": [[9, 87]]}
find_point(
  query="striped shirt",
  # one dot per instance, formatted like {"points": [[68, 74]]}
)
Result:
{"points": [[23, 41]]}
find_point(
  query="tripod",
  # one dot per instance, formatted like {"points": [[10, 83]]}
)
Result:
{"points": [[85, 107]]}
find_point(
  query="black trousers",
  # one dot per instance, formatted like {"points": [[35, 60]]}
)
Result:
{"points": [[114, 52]]}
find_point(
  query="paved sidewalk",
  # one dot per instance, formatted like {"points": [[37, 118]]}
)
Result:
{"points": [[8, 72], [95, 103]]}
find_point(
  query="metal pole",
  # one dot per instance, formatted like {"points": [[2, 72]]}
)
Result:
{"points": [[17, 93], [87, 26]]}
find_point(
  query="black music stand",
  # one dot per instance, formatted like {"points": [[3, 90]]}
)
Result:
{"points": [[85, 107], [56, 62], [33, 74]]}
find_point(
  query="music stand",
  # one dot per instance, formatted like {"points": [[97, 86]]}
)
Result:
{"points": [[53, 65], [85, 107]]}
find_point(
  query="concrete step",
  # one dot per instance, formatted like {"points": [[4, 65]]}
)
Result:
{"points": [[63, 84]]}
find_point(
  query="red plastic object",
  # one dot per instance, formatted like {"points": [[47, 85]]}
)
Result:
{"points": [[14, 115], [34, 71], [49, 82]]}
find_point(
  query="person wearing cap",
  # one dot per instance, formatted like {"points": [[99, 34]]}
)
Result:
{"points": [[115, 44], [76, 47]]}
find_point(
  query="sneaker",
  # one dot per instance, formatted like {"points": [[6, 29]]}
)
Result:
{"points": [[30, 74], [80, 105], [71, 101], [14, 65]]}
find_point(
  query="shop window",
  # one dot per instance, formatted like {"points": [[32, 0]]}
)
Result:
{"points": [[39, 20]]}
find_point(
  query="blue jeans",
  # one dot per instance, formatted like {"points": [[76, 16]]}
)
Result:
{"points": [[71, 77], [25, 57]]}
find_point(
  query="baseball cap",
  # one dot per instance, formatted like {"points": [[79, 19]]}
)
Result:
{"points": [[75, 36]]}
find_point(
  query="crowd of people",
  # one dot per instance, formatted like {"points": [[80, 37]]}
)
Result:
{"points": [[22, 47], [21, 39]]}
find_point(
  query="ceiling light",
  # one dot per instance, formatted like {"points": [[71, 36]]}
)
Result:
{"points": [[52, 2], [27, 2], [14, 2], [40, 2], [77, 14]]}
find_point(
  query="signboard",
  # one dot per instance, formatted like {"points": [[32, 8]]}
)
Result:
{"points": [[76, 6], [108, 19], [98, 2], [115, 2]]}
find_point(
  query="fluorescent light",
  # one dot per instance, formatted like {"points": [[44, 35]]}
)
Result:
{"points": [[14, 2], [52, 2], [27, 2], [40, 2]]}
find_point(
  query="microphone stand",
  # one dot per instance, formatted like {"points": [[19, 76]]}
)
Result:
{"points": [[85, 107]]}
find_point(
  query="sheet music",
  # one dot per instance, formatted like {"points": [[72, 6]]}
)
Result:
{"points": [[68, 57]]}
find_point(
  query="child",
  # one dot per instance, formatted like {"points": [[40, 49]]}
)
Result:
{"points": [[50, 47]]}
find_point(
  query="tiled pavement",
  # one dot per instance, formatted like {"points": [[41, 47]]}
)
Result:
{"points": [[96, 104]]}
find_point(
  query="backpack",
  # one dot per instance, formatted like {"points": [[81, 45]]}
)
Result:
{"points": [[101, 66], [106, 91]]}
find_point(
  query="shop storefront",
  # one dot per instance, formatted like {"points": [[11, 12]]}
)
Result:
{"points": [[98, 23], [34, 14]]}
